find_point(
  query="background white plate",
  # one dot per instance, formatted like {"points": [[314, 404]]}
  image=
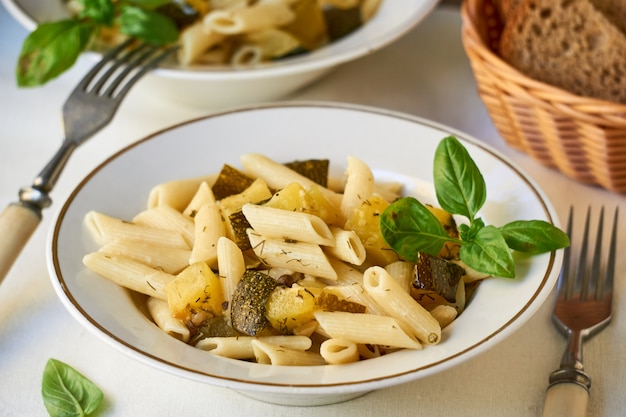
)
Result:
{"points": [[395, 145]]}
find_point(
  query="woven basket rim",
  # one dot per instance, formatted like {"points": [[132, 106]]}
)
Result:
{"points": [[473, 40]]}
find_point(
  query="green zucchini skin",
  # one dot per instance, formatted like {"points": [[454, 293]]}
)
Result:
{"points": [[249, 302]]}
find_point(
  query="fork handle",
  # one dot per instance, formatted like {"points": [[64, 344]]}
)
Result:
{"points": [[17, 224], [568, 394]]}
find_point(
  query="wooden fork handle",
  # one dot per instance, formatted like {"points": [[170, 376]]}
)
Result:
{"points": [[17, 224]]}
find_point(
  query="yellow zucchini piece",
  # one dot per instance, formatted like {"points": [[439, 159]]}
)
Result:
{"points": [[450, 250], [195, 289]]}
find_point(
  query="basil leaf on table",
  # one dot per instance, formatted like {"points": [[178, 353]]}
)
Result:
{"points": [[459, 185], [66, 392]]}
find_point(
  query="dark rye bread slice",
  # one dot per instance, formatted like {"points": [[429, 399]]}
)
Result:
{"points": [[568, 44]]}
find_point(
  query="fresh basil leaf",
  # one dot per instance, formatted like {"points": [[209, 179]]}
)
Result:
{"points": [[534, 236], [66, 392], [147, 25], [469, 232], [459, 185], [149, 4], [489, 253], [100, 11], [409, 227], [50, 50]]}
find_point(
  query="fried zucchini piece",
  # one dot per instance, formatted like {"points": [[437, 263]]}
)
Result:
{"points": [[450, 250], [314, 169], [437, 277], [249, 303], [230, 181]]}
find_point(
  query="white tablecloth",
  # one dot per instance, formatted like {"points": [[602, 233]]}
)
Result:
{"points": [[426, 74]]}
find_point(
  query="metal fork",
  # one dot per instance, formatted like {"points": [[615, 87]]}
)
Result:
{"points": [[90, 107], [582, 309]]}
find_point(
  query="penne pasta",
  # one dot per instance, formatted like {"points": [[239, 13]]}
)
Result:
{"points": [[289, 225], [339, 351], [262, 15], [357, 294], [177, 193], [194, 41], [278, 176], [301, 257], [270, 354], [240, 347], [365, 329], [347, 246], [167, 218], [359, 186], [167, 259], [203, 195], [399, 304], [129, 273], [231, 265], [402, 272], [209, 227], [160, 312], [105, 229]]}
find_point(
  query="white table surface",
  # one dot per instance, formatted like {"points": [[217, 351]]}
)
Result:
{"points": [[426, 74]]}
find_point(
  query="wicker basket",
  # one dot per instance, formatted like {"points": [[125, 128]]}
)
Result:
{"points": [[582, 137]]}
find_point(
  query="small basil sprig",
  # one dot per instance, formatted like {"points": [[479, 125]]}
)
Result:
{"points": [[409, 227], [67, 393], [53, 47]]}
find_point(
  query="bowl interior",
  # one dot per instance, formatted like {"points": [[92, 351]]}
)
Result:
{"points": [[398, 147]]}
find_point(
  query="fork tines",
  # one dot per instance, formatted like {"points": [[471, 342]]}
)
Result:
{"points": [[585, 277], [121, 67]]}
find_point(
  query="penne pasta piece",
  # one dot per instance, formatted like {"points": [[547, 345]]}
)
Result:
{"points": [[278, 176], [177, 193], [347, 246], [365, 329], [167, 259], [359, 186], [301, 257], [346, 274], [369, 9], [204, 195], [444, 314], [240, 347], [356, 293], [195, 41], [160, 312], [339, 351], [402, 272], [270, 354], [399, 304], [209, 227], [289, 225], [129, 273], [105, 229], [231, 265], [368, 351], [167, 218], [262, 15]]}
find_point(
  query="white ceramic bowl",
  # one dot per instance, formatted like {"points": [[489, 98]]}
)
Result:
{"points": [[210, 88], [397, 147]]}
